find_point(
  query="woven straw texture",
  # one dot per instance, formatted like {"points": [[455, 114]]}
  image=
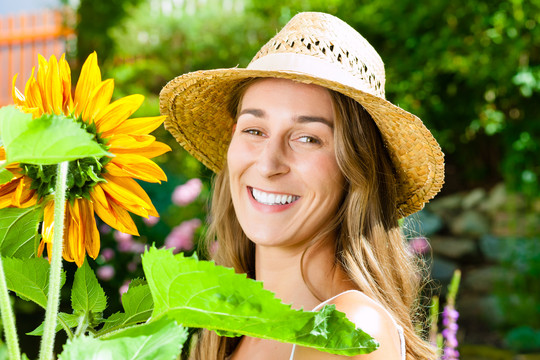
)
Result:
{"points": [[196, 104]]}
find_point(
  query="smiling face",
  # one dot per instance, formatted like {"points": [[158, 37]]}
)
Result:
{"points": [[285, 181]]}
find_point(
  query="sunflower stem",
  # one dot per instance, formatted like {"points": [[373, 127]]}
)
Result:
{"points": [[8, 318], [53, 301]]}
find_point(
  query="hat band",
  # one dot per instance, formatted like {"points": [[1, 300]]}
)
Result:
{"points": [[312, 66]]}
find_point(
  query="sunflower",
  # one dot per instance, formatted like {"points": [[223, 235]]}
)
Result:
{"points": [[104, 186]]}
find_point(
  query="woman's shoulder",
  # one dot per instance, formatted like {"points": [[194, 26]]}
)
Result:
{"points": [[368, 315]]}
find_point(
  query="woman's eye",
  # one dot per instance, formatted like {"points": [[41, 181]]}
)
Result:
{"points": [[309, 140], [253, 132]]}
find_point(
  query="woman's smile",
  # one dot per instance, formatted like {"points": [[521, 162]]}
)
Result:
{"points": [[286, 184]]}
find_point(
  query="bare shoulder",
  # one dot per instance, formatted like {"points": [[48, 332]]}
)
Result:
{"points": [[371, 317]]}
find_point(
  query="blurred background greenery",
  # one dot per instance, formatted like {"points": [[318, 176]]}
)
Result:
{"points": [[470, 69]]}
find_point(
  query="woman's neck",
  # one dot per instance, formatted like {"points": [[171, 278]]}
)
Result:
{"points": [[279, 269]]}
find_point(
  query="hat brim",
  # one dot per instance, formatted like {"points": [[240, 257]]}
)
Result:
{"points": [[196, 106]]}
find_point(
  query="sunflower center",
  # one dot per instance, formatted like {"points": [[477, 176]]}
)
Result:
{"points": [[83, 174]]}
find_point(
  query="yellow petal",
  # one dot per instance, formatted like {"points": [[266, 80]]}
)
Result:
{"points": [[136, 166], [33, 94], [133, 187], [48, 223], [124, 196], [53, 92], [88, 80], [144, 145], [113, 187], [18, 97], [65, 77], [99, 99], [70, 233], [6, 192], [77, 232], [40, 248], [155, 149], [41, 80], [23, 196], [129, 141], [143, 125], [117, 112], [111, 213], [91, 236]]}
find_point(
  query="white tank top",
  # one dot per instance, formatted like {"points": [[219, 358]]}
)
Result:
{"points": [[398, 327]]}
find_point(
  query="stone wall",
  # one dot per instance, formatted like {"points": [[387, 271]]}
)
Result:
{"points": [[492, 236]]}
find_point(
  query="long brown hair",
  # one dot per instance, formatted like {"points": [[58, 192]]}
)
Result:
{"points": [[369, 245]]}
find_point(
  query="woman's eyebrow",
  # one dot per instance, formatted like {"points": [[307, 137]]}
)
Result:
{"points": [[255, 112], [308, 119]]}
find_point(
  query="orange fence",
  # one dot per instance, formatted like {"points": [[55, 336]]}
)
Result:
{"points": [[22, 38]]}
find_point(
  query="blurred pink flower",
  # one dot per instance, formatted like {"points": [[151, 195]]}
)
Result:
{"points": [[187, 193], [108, 254], [213, 247], [419, 245], [104, 229], [181, 237], [151, 220], [132, 266], [105, 273], [122, 237], [124, 288]]}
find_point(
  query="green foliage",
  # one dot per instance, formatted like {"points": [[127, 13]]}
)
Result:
{"points": [[159, 340], [87, 296], [49, 139], [469, 69], [5, 176], [201, 294], [138, 306], [29, 278], [65, 321], [18, 231]]}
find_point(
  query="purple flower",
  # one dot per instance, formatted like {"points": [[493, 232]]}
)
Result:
{"points": [[181, 237], [185, 194], [105, 273], [151, 220], [450, 316], [419, 245]]}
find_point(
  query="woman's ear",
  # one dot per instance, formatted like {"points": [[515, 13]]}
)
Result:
{"points": [[233, 129]]}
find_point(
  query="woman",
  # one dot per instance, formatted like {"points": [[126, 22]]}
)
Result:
{"points": [[314, 169]]}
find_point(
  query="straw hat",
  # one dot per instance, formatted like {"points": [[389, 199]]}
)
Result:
{"points": [[313, 48]]}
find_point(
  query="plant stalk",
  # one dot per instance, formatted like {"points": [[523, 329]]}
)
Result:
{"points": [[8, 318], [53, 301]]}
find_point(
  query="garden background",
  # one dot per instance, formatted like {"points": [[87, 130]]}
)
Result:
{"points": [[469, 69]]}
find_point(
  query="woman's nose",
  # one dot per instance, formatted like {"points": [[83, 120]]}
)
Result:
{"points": [[272, 159]]}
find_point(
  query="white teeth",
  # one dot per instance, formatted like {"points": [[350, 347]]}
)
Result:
{"points": [[273, 199]]}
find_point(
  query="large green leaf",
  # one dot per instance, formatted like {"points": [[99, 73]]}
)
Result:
{"points": [[70, 320], [47, 140], [158, 340], [201, 294], [5, 176], [29, 278], [138, 306], [87, 295], [18, 231]]}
